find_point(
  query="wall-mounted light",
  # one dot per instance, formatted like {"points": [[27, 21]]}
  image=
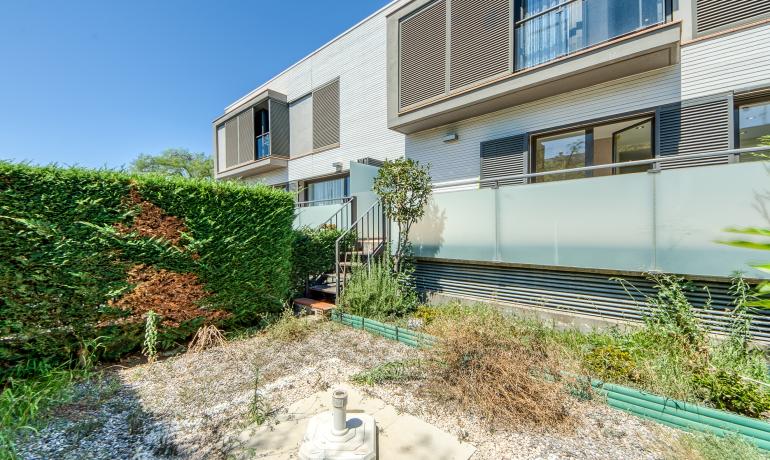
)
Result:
{"points": [[451, 137], [337, 165]]}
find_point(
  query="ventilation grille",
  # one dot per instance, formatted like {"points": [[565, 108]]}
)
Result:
{"points": [[480, 40], [326, 115], [716, 14], [422, 52], [703, 127], [246, 141], [279, 128], [231, 142], [573, 292], [503, 157]]}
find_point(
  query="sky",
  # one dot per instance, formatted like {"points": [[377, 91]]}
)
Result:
{"points": [[96, 83]]}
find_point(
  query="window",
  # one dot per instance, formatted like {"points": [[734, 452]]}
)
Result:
{"points": [[753, 120], [328, 191], [548, 29], [614, 142]]}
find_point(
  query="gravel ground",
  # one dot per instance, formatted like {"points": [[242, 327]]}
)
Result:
{"points": [[194, 405]]}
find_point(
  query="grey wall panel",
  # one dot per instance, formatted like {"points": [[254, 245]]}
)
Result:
{"points": [[713, 15], [694, 127], [590, 294], [504, 157], [480, 40], [246, 141], [301, 122], [231, 142], [279, 128], [326, 115], [422, 54]]}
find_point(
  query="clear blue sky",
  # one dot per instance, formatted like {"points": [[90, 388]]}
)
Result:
{"points": [[95, 83]]}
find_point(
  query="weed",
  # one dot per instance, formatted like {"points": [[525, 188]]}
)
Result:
{"points": [[289, 327], [728, 391], [609, 362], [151, 336], [206, 337], [394, 371], [259, 409], [710, 447]]}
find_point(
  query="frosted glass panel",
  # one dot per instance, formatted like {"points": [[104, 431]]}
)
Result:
{"points": [[457, 225], [603, 222], [314, 216], [695, 205]]}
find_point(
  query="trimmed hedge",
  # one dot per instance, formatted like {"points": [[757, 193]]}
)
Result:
{"points": [[67, 243]]}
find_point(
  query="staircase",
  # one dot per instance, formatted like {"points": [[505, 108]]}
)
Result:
{"points": [[358, 246]]}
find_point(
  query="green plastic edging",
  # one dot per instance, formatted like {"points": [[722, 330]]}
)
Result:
{"points": [[666, 411]]}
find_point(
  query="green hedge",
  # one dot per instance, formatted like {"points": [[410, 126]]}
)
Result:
{"points": [[65, 254]]}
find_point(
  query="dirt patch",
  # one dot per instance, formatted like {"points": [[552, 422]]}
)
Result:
{"points": [[152, 221], [174, 296]]}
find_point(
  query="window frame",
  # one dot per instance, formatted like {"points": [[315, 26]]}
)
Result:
{"points": [[315, 180], [737, 118]]}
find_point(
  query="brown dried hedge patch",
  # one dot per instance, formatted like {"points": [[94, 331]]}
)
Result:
{"points": [[175, 297], [484, 366], [152, 221]]}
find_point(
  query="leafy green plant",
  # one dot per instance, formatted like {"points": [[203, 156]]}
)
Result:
{"points": [[376, 292], [259, 409], [393, 371], [672, 311], [404, 188], [313, 254], [151, 336], [611, 363], [728, 391]]}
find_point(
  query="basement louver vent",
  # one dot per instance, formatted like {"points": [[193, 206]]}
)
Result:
{"points": [[717, 14], [503, 157], [702, 127], [480, 40], [422, 51], [326, 116]]}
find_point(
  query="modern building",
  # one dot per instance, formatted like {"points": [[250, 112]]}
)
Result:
{"points": [[498, 96]]}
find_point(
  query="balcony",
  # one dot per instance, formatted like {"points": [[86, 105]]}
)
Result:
{"points": [[253, 138], [550, 48]]}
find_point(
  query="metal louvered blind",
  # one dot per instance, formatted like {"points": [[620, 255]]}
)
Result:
{"points": [[326, 115], [504, 157], [702, 127], [279, 128], [231, 142], [715, 14], [246, 136], [480, 43], [422, 54]]}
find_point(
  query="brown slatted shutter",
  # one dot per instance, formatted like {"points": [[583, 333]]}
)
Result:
{"points": [[231, 142], [712, 15], [480, 43], [693, 127], [246, 141], [279, 128], [504, 157], [326, 115], [422, 54]]}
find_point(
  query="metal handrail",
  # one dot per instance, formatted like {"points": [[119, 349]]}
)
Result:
{"points": [[373, 217], [343, 214], [655, 162]]}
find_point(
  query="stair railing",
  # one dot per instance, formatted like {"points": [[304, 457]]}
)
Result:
{"points": [[344, 215], [372, 229]]}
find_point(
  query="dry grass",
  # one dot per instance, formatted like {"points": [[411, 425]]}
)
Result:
{"points": [[289, 327], [206, 337], [485, 367]]}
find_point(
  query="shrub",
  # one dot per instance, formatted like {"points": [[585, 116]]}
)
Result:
{"points": [[728, 391], [376, 292], [313, 254], [69, 238], [611, 363]]}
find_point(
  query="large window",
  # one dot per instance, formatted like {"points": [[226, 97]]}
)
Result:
{"points": [[328, 191], [613, 142], [753, 123], [262, 131], [548, 29]]}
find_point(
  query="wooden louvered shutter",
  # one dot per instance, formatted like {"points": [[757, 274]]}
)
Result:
{"points": [[480, 43], [504, 157], [231, 142], [279, 128], [246, 141], [691, 128], [712, 15], [422, 55], [326, 115]]}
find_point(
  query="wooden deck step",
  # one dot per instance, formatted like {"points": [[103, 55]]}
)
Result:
{"points": [[314, 305]]}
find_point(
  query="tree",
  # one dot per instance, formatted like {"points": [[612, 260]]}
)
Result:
{"points": [[175, 162], [404, 189]]}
